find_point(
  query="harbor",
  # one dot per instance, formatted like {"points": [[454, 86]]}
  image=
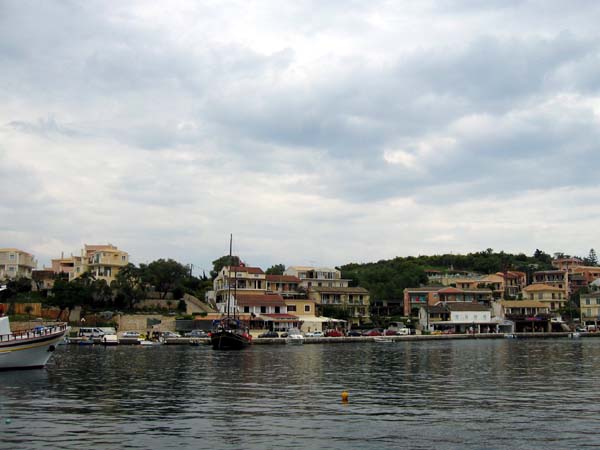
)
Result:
{"points": [[437, 393]]}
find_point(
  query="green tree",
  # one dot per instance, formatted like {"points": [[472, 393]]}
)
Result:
{"points": [[128, 286], [65, 295], [223, 261], [165, 275], [277, 269], [592, 259]]}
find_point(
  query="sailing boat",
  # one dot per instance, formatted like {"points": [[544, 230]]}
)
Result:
{"points": [[228, 333]]}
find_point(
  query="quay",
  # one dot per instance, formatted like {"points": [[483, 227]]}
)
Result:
{"points": [[347, 339]]}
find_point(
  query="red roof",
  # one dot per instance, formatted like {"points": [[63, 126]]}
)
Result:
{"points": [[450, 290], [260, 300], [283, 278], [281, 316]]}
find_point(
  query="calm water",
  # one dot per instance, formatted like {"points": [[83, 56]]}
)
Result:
{"points": [[453, 394]]}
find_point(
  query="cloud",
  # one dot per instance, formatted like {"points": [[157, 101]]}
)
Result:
{"points": [[313, 132]]}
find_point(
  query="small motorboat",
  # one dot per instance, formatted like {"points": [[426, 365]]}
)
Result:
{"points": [[294, 336], [110, 339], [383, 339]]}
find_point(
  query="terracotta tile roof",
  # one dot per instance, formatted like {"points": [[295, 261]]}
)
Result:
{"points": [[541, 287], [450, 290], [254, 270], [522, 304], [466, 306], [260, 300], [457, 306], [283, 278]]}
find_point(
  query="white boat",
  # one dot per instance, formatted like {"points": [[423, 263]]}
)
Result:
{"points": [[294, 336], [29, 349], [110, 339], [383, 339]]}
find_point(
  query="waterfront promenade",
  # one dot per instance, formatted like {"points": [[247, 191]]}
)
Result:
{"points": [[409, 338]]}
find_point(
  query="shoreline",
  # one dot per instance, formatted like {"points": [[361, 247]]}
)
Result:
{"points": [[381, 339]]}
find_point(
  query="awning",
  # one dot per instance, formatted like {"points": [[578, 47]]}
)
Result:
{"points": [[278, 317], [320, 319]]}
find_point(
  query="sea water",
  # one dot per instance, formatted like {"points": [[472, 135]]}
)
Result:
{"points": [[464, 394]]}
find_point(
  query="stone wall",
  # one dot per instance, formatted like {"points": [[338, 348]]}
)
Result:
{"points": [[139, 322]]}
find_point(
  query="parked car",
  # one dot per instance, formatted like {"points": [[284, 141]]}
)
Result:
{"points": [[373, 332], [581, 329], [170, 335], [333, 333], [390, 333], [269, 334], [314, 334], [131, 334], [354, 333], [197, 334]]}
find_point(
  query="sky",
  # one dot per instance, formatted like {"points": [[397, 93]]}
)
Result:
{"points": [[317, 133]]}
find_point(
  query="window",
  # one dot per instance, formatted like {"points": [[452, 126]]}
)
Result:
{"points": [[246, 309], [587, 301], [11, 256], [291, 308], [123, 258], [277, 310], [306, 308], [263, 309], [540, 296]]}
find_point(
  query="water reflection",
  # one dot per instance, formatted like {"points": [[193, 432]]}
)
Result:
{"points": [[468, 394]]}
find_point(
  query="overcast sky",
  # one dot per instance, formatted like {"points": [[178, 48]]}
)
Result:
{"points": [[317, 132]]}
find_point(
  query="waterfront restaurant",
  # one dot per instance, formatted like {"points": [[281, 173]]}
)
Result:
{"points": [[457, 317], [528, 315]]}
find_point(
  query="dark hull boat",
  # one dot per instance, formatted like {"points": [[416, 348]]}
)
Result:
{"points": [[229, 340], [228, 335]]}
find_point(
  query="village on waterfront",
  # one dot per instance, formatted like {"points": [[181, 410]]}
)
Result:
{"points": [[101, 289]]}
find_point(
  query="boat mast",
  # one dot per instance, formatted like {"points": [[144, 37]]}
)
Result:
{"points": [[234, 305], [229, 277]]}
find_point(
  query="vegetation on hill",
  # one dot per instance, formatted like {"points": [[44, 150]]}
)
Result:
{"points": [[387, 279]]}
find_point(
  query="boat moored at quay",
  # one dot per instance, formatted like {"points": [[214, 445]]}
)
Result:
{"points": [[28, 349]]}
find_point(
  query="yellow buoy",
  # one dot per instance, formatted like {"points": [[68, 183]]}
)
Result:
{"points": [[344, 396]]}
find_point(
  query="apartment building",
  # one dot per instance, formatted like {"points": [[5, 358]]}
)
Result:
{"points": [[238, 280], [102, 261], [415, 298], [589, 306], [354, 300], [317, 276], [551, 296], [15, 263], [555, 278]]}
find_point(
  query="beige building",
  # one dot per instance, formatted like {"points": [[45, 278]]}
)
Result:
{"points": [[238, 280], [102, 261], [287, 286], [355, 300], [553, 297], [15, 263], [317, 276], [589, 306], [556, 278]]}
